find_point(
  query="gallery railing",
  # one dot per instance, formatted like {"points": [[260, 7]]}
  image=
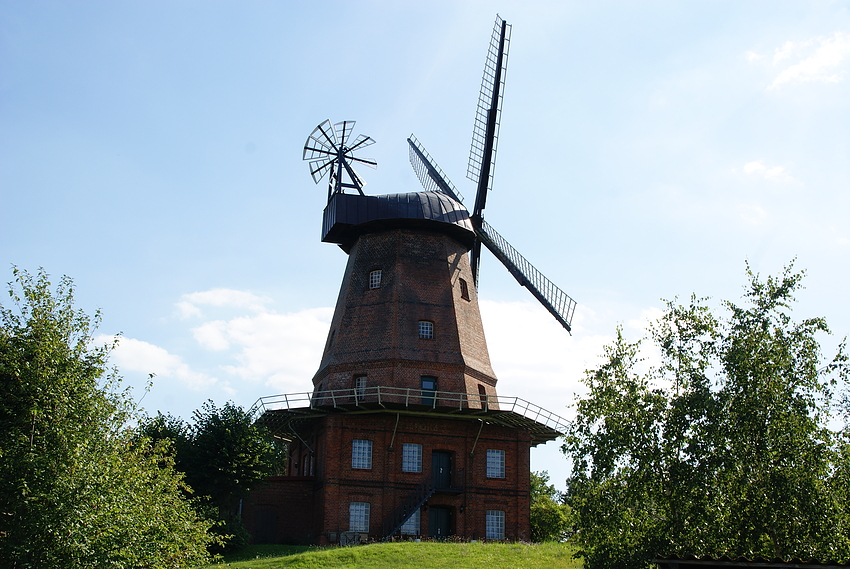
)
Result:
{"points": [[409, 397]]}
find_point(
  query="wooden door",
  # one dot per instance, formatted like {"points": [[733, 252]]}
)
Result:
{"points": [[439, 522], [441, 468]]}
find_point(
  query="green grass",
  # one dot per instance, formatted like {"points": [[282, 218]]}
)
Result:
{"points": [[427, 555]]}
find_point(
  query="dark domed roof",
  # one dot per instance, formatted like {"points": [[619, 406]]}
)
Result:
{"points": [[348, 215]]}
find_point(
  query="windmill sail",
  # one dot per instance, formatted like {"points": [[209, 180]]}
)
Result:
{"points": [[485, 131], [550, 296], [556, 301], [430, 175], [482, 160]]}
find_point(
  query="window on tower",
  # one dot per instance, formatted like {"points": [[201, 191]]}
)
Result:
{"points": [[375, 279], [359, 387], [464, 289], [426, 329]]}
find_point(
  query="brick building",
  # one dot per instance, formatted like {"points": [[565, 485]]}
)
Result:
{"points": [[403, 433]]}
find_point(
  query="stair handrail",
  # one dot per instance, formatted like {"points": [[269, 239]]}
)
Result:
{"points": [[408, 507]]}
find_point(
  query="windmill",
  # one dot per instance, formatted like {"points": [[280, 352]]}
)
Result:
{"points": [[482, 162], [405, 374], [328, 150]]}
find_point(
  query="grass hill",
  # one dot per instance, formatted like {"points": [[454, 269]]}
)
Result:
{"points": [[426, 555]]}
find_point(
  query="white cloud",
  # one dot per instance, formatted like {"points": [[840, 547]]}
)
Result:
{"points": [[822, 65], [281, 350], [188, 310], [140, 356], [754, 167], [788, 48], [220, 297], [770, 173], [212, 335], [753, 56], [535, 358], [647, 317]]}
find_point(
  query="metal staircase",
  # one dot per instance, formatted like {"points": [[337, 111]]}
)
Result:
{"points": [[408, 507]]}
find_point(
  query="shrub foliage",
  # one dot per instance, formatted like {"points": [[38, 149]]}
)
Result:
{"points": [[77, 488], [723, 448]]}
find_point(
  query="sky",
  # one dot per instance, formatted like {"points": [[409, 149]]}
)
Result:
{"points": [[648, 150]]}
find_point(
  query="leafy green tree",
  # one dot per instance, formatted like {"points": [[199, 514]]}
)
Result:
{"points": [[721, 449], [550, 517], [229, 453], [223, 455], [76, 488]]}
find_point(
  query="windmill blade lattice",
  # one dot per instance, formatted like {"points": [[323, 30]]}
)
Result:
{"points": [[430, 175], [482, 159], [488, 115], [329, 153], [556, 301]]}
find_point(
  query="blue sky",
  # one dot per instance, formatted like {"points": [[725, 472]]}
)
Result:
{"points": [[152, 152]]}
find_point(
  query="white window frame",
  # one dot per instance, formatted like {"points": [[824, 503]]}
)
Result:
{"points": [[411, 457], [375, 279], [361, 454], [495, 524], [495, 463], [359, 387], [426, 330], [358, 516], [413, 524]]}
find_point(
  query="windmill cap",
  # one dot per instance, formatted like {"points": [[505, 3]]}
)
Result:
{"points": [[347, 216]]}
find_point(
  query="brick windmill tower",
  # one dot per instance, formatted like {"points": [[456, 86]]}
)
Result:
{"points": [[404, 434]]}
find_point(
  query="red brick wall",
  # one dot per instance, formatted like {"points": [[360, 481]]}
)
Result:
{"points": [[385, 486], [282, 510], [375, 331]]}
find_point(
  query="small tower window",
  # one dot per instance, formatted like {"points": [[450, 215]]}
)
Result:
{"points": [[426, 329], [375, 279], [464, 289], [359, 387]]}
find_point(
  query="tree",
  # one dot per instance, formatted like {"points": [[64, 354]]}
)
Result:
{"points": [[76, 488], [223, 454], [723, 448], [229, 453], [550, 518]]}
